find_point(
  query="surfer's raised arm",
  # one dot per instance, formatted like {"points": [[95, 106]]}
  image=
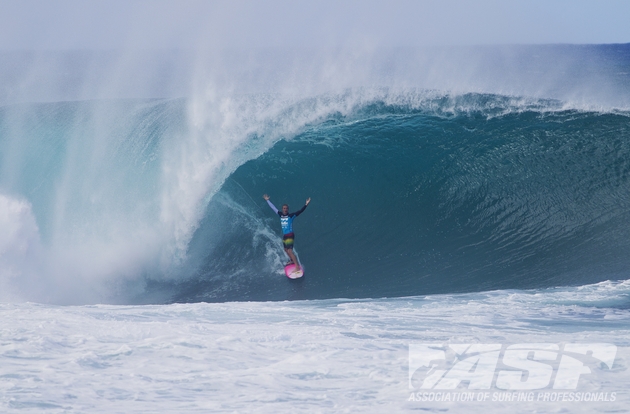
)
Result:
{"points": [[266, 197], [300, 211]]}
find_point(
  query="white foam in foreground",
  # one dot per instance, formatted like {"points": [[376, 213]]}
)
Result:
{"points": [[315, 356]]}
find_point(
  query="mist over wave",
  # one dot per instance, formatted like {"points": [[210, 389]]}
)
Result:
{"points": [[593, 76], [422, 181]]}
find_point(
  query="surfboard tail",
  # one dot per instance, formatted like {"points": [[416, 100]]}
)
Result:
{"points": [[291, 273]]}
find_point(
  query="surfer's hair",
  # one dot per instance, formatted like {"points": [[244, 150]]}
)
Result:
{"points": [[285, 205]]}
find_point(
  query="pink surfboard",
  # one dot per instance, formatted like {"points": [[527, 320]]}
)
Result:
{"points": [[289, 270]]}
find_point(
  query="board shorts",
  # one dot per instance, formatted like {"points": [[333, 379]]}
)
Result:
{"points": [[287, 240]]}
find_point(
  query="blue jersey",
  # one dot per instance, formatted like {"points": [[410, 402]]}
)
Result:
{"points": [[286, 221]]}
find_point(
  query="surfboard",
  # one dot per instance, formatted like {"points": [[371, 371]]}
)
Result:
{"points": [[291, 274]]}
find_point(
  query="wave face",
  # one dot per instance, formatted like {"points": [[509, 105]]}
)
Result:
{"points": [[471, 193]]}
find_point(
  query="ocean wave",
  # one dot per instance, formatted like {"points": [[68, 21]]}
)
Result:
{"points": [[415, 192], [414, 202]]}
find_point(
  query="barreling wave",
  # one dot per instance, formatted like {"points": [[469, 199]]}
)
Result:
{"points": [[414, 192], [442, 195]]}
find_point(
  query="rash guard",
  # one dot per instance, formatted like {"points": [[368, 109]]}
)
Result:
{"points": [[286, 221]]}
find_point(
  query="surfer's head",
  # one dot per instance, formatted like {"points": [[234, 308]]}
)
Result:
{"points": [[285, 209]]}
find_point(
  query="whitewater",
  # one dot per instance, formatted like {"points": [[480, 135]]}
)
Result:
{"points": [[485, 209]]}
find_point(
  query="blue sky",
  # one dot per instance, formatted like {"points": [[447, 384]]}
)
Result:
{"points": [[89, 24]]}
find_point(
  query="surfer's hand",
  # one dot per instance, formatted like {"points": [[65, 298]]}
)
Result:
{"points": [[265, 196], [308, 200]]}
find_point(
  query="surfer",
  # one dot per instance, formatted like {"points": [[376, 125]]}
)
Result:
{"points": [[286, 221]]}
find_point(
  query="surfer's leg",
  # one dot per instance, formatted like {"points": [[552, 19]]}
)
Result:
{"points": [[293, 258], [290, 258], [287, 242]]}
